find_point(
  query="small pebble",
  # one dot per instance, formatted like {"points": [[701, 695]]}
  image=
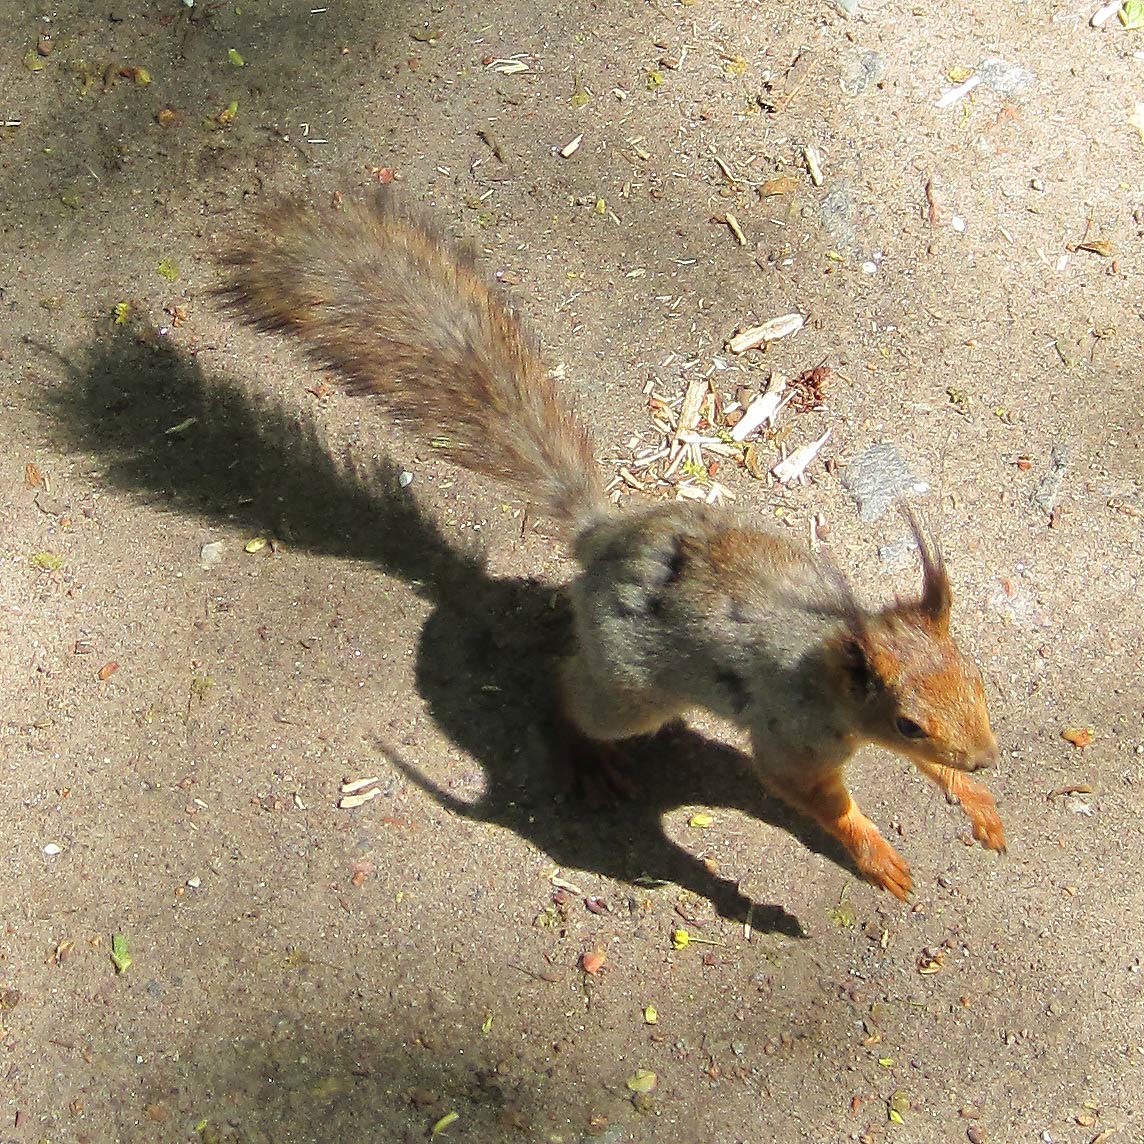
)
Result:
{"points": [[51, 850]]}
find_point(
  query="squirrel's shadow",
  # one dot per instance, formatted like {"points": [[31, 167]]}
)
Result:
{"points": [[486, 652]]}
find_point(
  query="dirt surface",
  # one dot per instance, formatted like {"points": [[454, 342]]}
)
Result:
{"points": [[174, 735]]}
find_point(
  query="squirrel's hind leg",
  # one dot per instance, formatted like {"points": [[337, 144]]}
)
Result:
{"points": [[603, 708], [593, 717]]}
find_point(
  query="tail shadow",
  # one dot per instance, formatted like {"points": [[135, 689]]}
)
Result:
{"points": [[486, 651]]}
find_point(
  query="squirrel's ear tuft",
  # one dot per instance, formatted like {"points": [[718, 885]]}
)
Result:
{"points": [[937, 594], [859, 670]]}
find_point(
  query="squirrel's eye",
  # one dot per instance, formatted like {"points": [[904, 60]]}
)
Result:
{"points": [[910, 729]]}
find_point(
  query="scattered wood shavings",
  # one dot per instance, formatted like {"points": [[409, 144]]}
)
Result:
{"points": [[354, 793]]}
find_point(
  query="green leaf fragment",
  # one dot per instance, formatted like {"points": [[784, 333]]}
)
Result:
{"points": [[843, 916], [642, 1080], [46, 561], [168, 270], [235, 57], [1131, 15], [899, 1105], [120, 957], [442, 1125]]}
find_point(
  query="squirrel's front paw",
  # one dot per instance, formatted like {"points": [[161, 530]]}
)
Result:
{"points": [[988, 828], [881, 864]]}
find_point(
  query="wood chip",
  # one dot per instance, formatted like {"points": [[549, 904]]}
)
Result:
{"points": [[736, 229], [350, 801], [697, 390], [813, 165], [352, 786], [792, 467], [571, 147], [762, 410], [770, 331], [957, 94]]}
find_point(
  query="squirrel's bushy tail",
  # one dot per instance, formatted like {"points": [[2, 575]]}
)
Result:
{"points": [[392, 309]]}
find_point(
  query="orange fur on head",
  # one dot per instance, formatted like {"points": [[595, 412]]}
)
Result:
{"points": [[925, 698]]}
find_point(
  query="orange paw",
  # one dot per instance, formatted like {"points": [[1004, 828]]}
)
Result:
{"points": [[882, 865], [988, 829]]}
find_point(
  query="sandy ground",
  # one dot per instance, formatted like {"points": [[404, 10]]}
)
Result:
{"points": [[174, 735]]}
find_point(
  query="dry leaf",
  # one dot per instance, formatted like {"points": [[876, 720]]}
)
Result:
{"points": [[753, 463], [592, 962], [1079, 736], [783, 185], [1098, 246]]}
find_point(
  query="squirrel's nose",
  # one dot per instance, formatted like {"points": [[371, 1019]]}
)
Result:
{"points": [[987, 756]]}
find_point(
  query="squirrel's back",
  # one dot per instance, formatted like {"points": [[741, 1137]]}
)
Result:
{"points": [[397, 313]]}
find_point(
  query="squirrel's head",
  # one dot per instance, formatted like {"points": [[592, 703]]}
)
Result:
{"points": [[918, 694]]}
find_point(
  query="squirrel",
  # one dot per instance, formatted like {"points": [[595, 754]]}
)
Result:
{"points": [[676, 606]]}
